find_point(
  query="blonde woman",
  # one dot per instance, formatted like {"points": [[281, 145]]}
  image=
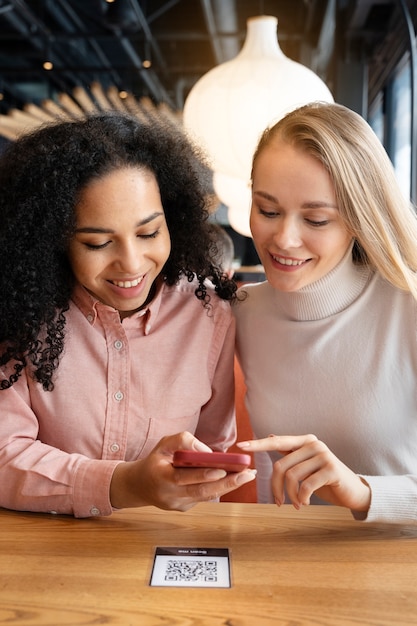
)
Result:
{"points": [[328, 344]]}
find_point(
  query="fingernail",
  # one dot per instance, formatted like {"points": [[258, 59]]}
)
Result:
{"points": [[243, 444], [215, 474], [246, 477]]}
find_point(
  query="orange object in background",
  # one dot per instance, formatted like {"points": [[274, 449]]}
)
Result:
{"points": [[247, 492]]}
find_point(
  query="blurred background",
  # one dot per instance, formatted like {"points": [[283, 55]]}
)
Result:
{"points": [[62, 58]]}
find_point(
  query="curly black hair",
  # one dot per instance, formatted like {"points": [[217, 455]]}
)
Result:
{"points": [[41, 177]]}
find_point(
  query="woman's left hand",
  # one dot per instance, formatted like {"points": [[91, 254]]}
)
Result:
{"points": [[307, 467]]}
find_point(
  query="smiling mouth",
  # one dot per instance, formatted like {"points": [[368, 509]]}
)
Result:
{"points": [[127, 284], [284, 261]]}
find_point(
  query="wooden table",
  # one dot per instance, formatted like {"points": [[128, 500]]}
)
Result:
{"points": [[313, 567]]}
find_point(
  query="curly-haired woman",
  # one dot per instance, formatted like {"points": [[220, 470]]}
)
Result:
{"points": [[115, 324]]}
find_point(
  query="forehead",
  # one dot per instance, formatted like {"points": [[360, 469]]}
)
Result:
{"points": [[120, 192], [279, 155], [119, 181]]}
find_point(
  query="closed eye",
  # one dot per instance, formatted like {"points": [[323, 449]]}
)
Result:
{"points": [[317, 224], [268, 213], [100, 246], [150, 235]]}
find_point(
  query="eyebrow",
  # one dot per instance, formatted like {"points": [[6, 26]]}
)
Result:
{"points": [[95, 229], [317, 204]]}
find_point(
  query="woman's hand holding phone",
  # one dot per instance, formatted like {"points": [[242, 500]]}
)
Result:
{"points": [[155, 481]]}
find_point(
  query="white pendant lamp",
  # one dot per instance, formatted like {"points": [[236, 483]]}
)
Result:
{"points": [[229, 107]]}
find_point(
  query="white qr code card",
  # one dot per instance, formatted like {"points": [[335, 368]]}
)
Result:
{"points": [[191, 567]]}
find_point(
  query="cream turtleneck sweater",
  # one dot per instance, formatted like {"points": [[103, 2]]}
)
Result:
{"points": [[338, 359]]}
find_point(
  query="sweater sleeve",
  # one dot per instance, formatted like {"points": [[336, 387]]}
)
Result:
{"points": [[393, 499]]}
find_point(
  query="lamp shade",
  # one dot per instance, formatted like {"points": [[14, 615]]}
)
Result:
{"points": [[235, 193], [229, 107]]}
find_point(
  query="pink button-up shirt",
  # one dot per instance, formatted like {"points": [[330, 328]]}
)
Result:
{"points": [[119, 388]]}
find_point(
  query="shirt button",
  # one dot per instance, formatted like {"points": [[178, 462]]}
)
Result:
{"points": [[90, 318], [118, 396], [94, 511], [115, 447], [118, 344]]}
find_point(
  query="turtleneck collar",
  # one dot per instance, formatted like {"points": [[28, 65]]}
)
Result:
{"points": [[328, 295]]}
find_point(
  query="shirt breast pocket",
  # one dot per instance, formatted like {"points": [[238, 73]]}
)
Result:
{"points": [[162, 426]]}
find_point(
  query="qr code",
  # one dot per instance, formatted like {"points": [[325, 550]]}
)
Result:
{"points": [[191, 571]]}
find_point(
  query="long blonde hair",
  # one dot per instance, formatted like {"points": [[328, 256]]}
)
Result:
{"points": [[382, 222]]}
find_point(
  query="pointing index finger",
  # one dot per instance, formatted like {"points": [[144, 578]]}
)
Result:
{"points": [[280, 443]]}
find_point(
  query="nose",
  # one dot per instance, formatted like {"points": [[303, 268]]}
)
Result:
{"points": [[129, 257], [288, 233]]}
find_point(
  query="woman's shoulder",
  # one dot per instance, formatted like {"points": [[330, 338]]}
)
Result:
{"points": [[251, 294], [186, 291]]}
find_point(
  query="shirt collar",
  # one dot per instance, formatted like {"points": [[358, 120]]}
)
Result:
{"points": [[92, 308]]}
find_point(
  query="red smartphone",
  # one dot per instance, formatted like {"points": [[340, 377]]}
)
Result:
{"points": [[229, 461]]}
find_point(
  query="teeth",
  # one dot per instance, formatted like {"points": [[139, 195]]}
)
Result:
{"points": [[126, 284], [287, 261]]}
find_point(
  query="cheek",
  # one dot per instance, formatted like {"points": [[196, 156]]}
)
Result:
{"points": [[254, 224], [82, 271], [338, 249], [82, 264], [262, 231], [164, 248], [74, 260], [342, 239]]}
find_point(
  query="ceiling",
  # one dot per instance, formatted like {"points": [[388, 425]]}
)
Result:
{"points": [[99, 49]]}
